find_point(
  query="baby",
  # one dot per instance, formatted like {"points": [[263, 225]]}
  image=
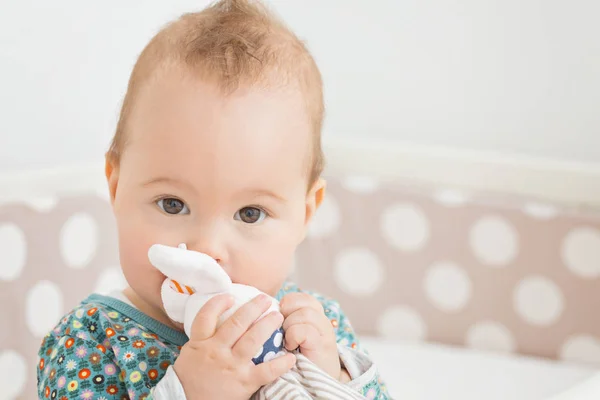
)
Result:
{"points": [[218, 147]]}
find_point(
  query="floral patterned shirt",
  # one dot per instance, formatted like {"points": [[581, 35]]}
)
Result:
{"points": [[106, 349]]}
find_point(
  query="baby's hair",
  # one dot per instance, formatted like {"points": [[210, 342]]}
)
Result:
{"points": [[233, 43]]}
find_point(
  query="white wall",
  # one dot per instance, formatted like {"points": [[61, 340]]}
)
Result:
{"points": [[516, 76]]}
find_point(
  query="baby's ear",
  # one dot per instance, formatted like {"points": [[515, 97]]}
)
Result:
{"points": [[314, 198], [112, 177]]}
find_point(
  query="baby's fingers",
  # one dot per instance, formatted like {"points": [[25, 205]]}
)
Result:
{"points": [[302, 335], [309, 316], [205, 323], [267, 372], [256, 336], [236, 325]]}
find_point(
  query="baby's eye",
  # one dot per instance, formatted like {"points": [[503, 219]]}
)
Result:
{"points": [[173, 206], [250, 215]]}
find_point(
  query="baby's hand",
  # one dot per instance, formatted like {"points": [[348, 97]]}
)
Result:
{"points": [[306, 326], [217, 363]]}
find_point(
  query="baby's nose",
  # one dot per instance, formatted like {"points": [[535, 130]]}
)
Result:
{"points": [[209, 245]]}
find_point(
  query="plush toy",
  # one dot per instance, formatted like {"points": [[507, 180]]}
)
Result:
{"points": [[193, 278]]}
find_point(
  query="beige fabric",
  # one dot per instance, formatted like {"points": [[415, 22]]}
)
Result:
{"points": [[27, 299], [407, 262], [484, 271]]}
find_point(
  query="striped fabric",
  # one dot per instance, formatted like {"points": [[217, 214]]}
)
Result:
{"points": [[307, 381]]}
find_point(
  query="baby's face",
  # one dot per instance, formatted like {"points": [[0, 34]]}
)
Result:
{"points": [[227, 176]]}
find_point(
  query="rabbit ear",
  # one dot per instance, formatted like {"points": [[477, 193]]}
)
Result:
{"points": [[190, 268]]}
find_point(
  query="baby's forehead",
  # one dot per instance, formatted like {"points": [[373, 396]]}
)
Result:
{"points": [[252, 120], [228, 155], [177, 86], [224, 174]]}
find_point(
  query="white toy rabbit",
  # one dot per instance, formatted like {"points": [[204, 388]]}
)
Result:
{"points": [[193, 278]]}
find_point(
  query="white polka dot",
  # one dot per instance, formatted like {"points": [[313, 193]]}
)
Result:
{"points": [[78, 240], [259, 352], [580, 252], [402, 323], [540, 210], [326, 220], [538, 300], [42, 204], [111, 279], [43, 307], [269, 356], [360, 184], [490, 336], [447, 286], [13, 248], [450, 197], [405, 227], [278, 339], [13, 374], [358, 271], [494, 241], [582, 349]]}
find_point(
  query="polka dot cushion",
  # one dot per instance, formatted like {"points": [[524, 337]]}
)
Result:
{"points": [[54, 253], [488, 272], [411, 263]]}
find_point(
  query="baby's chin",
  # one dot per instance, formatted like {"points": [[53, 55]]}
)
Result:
{"points": [[176, 325], [152, 306], [170, 322]]}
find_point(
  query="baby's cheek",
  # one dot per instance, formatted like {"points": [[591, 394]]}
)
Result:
{"points": [[273, 272], [135, 265], [143, 278]]}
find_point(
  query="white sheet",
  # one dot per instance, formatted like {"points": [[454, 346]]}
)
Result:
{"points": [[586, 390], [429, 371]]}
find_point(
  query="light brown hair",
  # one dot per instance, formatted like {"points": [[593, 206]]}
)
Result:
{"points": [[234, 43]]}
